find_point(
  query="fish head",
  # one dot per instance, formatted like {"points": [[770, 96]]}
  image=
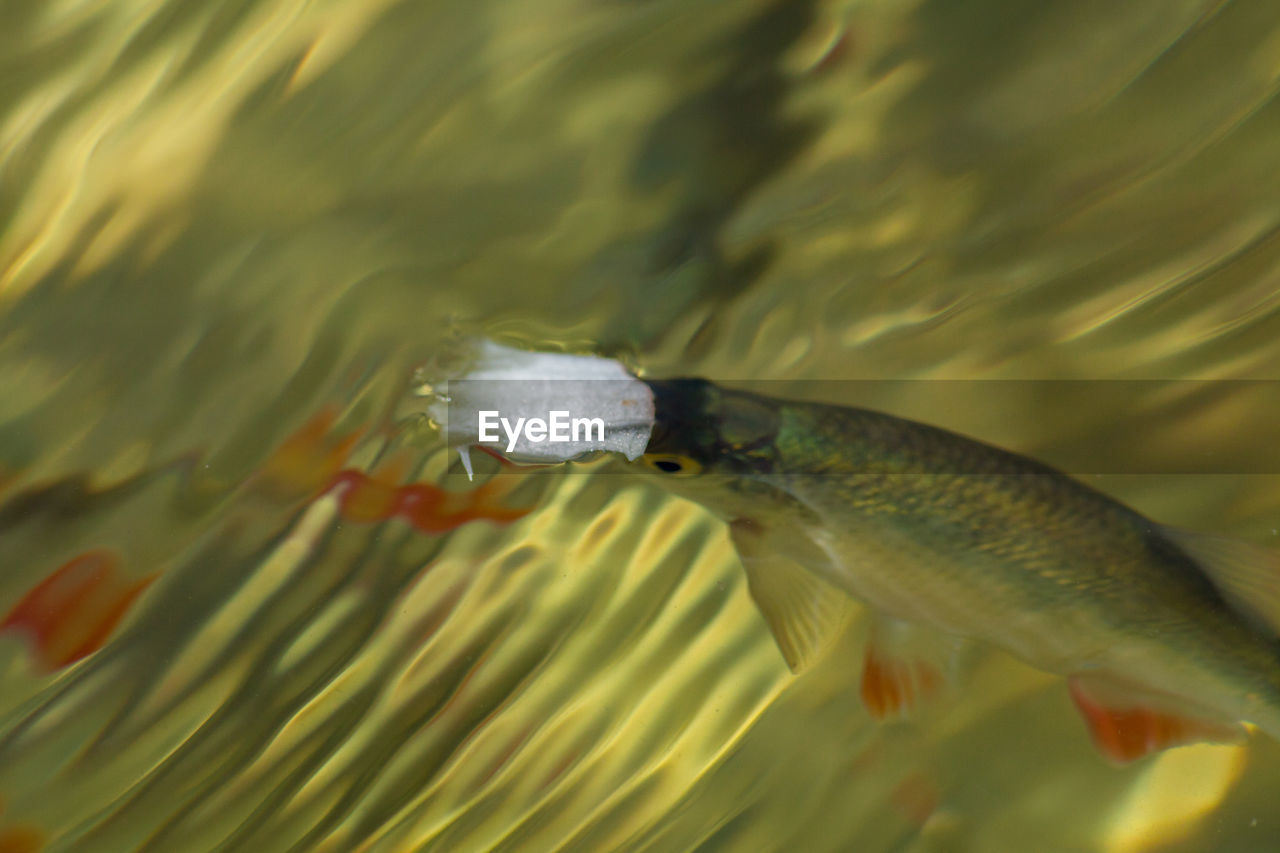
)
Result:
{"points": [[715, 446], [701, 428]]}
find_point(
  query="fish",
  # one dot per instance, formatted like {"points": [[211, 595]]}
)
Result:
{"points": [[1166, 637]]}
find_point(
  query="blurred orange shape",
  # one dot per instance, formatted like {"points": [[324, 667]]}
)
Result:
{"points": [[916, 798], [433, 510], [21, 838], [371, 497], [71, 613], [308, 459]]}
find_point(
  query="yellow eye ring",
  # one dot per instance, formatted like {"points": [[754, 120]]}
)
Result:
{"points": [[672, 464]]}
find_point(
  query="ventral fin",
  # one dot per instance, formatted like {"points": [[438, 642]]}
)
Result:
{"points": [[804, 612], [1128, 724], [905, 666], [1247, 575]]}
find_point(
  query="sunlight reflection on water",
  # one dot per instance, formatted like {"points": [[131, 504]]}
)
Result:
{"points": [[220, 221]]}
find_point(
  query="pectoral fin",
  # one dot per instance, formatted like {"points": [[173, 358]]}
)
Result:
{"points": [[1247, 575], [1128, 723], [804, 612], [906, 665]]}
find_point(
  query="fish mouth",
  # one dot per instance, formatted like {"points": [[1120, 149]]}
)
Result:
{"points": [[681, 420], [728, 431]]}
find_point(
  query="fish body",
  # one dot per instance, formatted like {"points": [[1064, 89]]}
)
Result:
{"points": [[940, 531]]}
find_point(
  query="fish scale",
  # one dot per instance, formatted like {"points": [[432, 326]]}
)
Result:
{"points": [[914, 585]]}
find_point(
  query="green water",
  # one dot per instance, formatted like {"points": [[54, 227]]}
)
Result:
{"points": [[219, 219]]}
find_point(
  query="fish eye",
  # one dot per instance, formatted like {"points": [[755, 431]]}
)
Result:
{"points": [[670, 463]]}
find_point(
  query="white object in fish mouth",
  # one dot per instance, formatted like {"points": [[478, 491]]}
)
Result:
{"points": [[545, 408]]}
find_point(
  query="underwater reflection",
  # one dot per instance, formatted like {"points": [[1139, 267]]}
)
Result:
{"points": [[249, 601]]}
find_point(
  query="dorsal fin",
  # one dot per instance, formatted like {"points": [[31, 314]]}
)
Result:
{"points": [[1247, 575]]}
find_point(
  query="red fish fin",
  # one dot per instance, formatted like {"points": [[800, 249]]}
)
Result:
{"points": [[1128, 724], [804, 612], [905, 666]]}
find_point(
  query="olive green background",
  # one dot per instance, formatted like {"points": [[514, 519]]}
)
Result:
{"points": [[218, 217]]}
